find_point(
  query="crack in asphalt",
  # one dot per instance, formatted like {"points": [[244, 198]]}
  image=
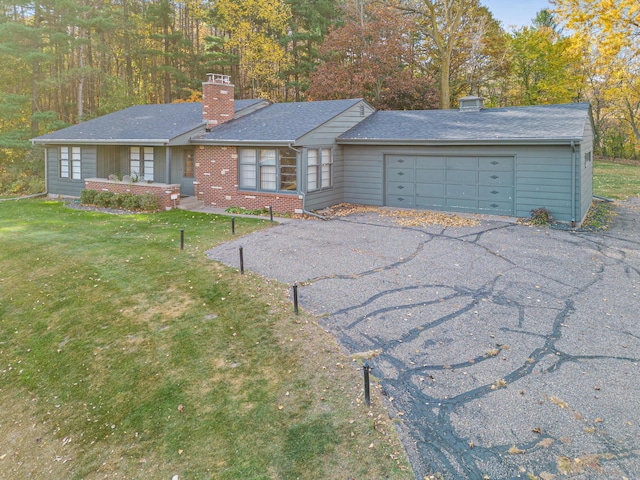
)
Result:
{"points": [[464, 358], [440, 448]]}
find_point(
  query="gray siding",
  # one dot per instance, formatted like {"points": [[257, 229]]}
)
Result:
{"points": [[542, 174], [325, 137], [327, 133], [65, 186], [330, 196]]}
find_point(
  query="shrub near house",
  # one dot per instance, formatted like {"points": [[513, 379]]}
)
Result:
{"points": [[146, 202]]}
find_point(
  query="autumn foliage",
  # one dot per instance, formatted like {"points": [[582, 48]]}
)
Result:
{"points": [[371, 57]]}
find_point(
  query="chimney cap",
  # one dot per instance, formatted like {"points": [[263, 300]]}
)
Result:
{"points": [[218, 79], [471, 103]]}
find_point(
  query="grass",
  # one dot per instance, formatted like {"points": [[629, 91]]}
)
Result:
{"points": [[616, 179], [122, 356]]}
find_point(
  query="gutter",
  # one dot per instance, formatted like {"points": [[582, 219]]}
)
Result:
{"points": [[454, 142], [135, 142], [242, 143]]}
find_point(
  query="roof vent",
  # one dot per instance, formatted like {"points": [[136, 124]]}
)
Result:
{"points": [[471, 104]]}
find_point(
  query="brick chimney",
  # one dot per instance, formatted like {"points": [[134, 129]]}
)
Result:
{"points": [[217, 100]]}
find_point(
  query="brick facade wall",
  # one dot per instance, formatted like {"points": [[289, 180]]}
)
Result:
{"points": [[160, 190], [217, 184]]}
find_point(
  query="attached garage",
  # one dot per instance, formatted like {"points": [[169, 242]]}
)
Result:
{"points": [[502, 161]]}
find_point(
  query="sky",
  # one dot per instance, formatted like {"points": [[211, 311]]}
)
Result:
{"points": [[515, 12]]}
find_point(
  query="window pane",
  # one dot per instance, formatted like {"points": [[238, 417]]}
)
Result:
{"points": [[75, 153], [247, 171], [312, 170], [134, 167], [188, 164], [326, 167], [134, 153], [268, 169], [288, 169], [268, 177], [288, 174], [148, 170], [148, 153], [64, 168], [267, 157], [64, 153], [75, 170]]}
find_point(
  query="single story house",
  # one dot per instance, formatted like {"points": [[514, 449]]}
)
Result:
{"points": [[306, 156]]}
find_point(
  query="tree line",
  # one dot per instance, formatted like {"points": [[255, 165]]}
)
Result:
{"points": [[64, 62]]}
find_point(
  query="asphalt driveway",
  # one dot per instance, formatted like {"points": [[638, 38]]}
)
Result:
{"points": [[506, 350]]}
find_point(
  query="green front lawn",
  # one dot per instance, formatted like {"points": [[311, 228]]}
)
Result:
{"points": [[122, 356]]}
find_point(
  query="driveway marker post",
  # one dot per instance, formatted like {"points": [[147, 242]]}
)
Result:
{"points": [[295, 298], [241, 261], [271, 213], [182, 239], [233, 225], [367, 394]]}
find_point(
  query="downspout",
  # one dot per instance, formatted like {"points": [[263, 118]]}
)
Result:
{"points": [[573, 184], [300, 192]]}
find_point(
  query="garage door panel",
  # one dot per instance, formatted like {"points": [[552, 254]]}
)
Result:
{"points": [[401, 161], [495, 193], [462, 176], [400, 174], [504, 208], [429, 202], [429, 176], [495, 163], [469, 203], [430, 189], [433, 163], [495, 178], [400, 201], [461, 191], [462, 163], [400, 188]]}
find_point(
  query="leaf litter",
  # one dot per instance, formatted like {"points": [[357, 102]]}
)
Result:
{"points": [[405, 218]]}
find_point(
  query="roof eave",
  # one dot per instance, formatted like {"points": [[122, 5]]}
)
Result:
{"points": [[247, 143], [157, 142], [497, 141]]}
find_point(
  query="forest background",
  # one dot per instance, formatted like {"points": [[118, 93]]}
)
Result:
{"points": [[64, 62]]}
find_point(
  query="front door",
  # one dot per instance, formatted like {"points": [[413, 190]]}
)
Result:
{"points": [[188, 173]]}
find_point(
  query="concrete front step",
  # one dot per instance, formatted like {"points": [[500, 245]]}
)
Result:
{"points": [[190, 203]]}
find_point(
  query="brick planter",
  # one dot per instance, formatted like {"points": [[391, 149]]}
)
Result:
{"points": [[168, 194]]}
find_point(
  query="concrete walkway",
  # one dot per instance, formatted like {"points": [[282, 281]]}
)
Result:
{"points": [[506, 350]]}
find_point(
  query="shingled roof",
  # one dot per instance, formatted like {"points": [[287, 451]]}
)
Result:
{"points": [[279, 123], [150, 124], [535, 124]]}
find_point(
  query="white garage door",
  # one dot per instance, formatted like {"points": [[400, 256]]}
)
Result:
{"points": [[465, 184]]}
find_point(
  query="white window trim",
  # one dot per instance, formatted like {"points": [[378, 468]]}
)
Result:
{"points": [[70, 163], [255, 158], [142, 163], [324, 163]]}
